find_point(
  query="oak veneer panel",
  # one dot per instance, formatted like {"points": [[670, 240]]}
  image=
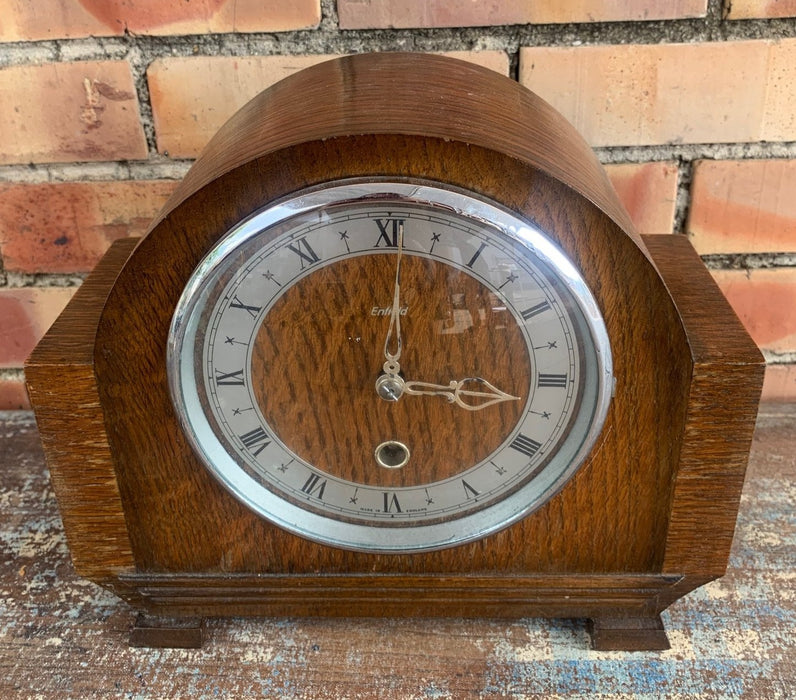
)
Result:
{"points": [[63, 391], [346, 97], [611, 516], [637, 595], [723, 402]]}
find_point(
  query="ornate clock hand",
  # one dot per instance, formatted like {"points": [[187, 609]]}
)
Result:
{"points": [[455, 390], [389, 385]]}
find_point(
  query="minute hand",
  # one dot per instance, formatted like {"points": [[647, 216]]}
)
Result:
{"points": [[454, 391]]}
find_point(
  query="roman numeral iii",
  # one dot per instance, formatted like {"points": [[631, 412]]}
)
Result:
{"points": [[528, 446], [552, 380]]}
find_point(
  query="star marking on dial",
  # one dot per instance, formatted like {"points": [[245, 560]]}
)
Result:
{"points": [[271, 278], [500, 471], [511, 278]]}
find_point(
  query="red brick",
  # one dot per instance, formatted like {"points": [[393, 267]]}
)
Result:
{"points": [[759, 9], [368, 14], [649, 94], [192, 97], [780, 383], [25, 315], [13, 395], [746, 206], [66, 227], [780, 103], [22, 21], [649, 193], [765, 301], [60, 112]]}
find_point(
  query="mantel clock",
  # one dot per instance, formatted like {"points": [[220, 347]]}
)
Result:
{"points": [[393, 348]]}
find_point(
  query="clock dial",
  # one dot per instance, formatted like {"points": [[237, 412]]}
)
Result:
{"points": [[389, 366]]}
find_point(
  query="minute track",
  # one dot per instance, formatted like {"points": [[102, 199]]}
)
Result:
{"points": [[321, 257]]}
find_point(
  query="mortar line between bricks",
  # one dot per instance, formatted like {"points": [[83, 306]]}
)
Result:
{"points": [[329, 39], [23, 280], [779, 358], [12, 374], [117, 171], [749, 261], [163, 168], [697, 151], [685, 176]]}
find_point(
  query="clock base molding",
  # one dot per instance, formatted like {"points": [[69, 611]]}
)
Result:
{"points": [[623, 610]]}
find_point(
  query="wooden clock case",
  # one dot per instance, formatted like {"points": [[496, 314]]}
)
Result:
{"points": [[650, 515]]}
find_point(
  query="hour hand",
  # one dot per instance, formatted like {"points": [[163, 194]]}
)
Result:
{"points": [[456, 391]]}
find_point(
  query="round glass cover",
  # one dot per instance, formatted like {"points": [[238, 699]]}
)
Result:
{"points": [[389, 366]]}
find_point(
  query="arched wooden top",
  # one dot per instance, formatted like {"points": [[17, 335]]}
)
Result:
{"points": [[407, 94]]}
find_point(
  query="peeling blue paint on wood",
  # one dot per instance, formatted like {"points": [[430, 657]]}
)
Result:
{"points": [[63, 637]]}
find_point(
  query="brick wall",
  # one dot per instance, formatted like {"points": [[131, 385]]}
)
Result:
{"points": [[690, 103]]}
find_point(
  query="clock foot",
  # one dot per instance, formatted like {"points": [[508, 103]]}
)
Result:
{"points": [[167, 632], [628, 634]]}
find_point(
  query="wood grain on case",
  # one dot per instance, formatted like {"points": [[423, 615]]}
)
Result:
{"points": [[63, 389]]}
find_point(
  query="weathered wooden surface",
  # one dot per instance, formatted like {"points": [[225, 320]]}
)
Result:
{"points": [[63, 637]]}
